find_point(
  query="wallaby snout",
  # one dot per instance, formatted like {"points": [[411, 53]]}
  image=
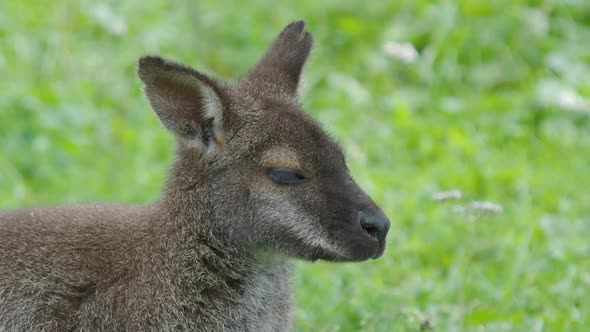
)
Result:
{"points": [[376, 224]]}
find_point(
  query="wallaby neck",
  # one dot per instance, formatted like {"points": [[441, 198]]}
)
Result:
{"points": [[208, 274], [215, 259], [197, 243]]}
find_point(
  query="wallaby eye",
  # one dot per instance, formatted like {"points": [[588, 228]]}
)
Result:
{"points": [[286, 176]]}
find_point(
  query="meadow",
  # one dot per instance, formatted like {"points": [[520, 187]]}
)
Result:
{"points": [[489, 100]]}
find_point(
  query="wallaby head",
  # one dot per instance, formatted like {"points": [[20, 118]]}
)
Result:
{"points": [[252, 167]]}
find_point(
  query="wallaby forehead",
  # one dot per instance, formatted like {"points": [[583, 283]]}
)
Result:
{"points": [[293, 130], [279, 126]]}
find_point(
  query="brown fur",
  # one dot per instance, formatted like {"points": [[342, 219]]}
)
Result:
{"points": [[212, 254]]}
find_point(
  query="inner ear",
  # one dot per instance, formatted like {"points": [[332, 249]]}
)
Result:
{"points": [[186, 101]]}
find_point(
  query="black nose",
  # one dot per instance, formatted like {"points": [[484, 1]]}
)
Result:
{"points": [[375, 222]]}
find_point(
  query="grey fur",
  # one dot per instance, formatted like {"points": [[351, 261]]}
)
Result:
{"points": [[213, 253]]}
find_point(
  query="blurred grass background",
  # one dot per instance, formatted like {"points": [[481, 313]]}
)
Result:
{"points": [[491, 98]]}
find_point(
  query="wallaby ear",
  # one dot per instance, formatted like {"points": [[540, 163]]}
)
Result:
{"points": [[185, 100], [280, 67]]}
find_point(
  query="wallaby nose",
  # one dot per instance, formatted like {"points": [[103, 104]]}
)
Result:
{"points": [[375, 222]]}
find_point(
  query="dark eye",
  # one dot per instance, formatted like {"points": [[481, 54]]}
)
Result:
{"points": [[286, 176]]}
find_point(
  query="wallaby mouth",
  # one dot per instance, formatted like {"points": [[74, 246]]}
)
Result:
{"points": [[381, 250]]}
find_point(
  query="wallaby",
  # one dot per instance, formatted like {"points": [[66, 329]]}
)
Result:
{"points": [[255, 183]]}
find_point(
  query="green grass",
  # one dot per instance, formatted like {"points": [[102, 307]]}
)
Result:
{"points": [[497, 105]]}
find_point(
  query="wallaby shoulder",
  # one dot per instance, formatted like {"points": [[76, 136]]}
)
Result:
{"points": [[90, 226], [62, 256]]}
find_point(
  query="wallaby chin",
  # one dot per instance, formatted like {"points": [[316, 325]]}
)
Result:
{"points": [[255, 182]]}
